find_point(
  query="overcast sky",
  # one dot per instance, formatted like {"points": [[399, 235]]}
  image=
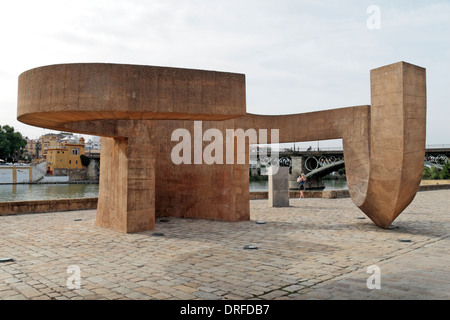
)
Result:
{"points": [[298, 56]]}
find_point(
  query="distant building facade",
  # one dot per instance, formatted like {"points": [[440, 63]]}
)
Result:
{"points": [[92, 147], [47, 141], [66, 154], [61, 150], [32, 149]]}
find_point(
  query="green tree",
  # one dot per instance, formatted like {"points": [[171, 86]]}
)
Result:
{"points": [[11, 143], [436, 173], [426, 173], [445, 172]]}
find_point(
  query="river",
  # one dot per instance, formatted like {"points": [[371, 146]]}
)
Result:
{"points": [[329, 185], [23, 192]]}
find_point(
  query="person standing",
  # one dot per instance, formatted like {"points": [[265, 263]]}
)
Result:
{"points": [[302, 179]]}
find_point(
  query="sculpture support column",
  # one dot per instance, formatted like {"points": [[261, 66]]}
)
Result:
{"points": [[397, 140], [127, 185]]}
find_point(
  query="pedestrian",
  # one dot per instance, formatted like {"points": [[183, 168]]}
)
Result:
{"points": [[302, 179]]}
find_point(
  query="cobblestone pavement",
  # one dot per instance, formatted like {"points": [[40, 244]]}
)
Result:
{"points": [[314, 249]]}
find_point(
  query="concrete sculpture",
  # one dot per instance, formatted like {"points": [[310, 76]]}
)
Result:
{"points": [[137, 108]]}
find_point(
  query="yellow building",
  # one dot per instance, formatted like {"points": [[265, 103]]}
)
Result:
{"points": [[48, 141], [65, 156], [31, 148]]}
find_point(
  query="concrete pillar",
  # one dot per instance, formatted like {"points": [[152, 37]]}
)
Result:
{"points": [[396, 145], [139, 180], [279, 187], [127, 185], [297, 169]]}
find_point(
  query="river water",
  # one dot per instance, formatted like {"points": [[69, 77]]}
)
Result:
{"points": [[23, 192], [329, 185]]}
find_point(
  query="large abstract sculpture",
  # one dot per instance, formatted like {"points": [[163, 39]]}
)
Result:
{"points": [[137, 108]]}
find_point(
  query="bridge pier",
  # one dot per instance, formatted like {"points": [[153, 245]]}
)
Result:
{"points": [[315, 183], [298, 167]]}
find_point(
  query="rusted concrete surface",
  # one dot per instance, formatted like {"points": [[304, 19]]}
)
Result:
{"points": [[137, 108]]}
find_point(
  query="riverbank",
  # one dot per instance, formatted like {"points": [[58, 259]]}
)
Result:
{"points": [[434, 182], [54, 182], [41, 206]]}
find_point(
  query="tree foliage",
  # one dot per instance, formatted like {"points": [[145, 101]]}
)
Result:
{"points": [[436, 173], [445, 173], [11, 142]]}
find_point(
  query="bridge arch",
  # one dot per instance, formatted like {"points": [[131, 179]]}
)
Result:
{"points": [[325, 170]]}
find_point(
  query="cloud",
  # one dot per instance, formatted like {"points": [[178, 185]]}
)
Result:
{"points": [[298, 56]]}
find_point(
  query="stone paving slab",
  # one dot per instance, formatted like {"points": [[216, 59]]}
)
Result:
{"points": [[313, 249]]}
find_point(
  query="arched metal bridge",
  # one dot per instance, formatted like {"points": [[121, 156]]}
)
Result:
{"points": [[317, 164]]}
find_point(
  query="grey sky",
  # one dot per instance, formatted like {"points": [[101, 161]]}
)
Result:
{"points": [[298, 56]]}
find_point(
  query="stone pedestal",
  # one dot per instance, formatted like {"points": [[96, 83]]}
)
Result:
{"points": [[279, 187], [297, 169]]}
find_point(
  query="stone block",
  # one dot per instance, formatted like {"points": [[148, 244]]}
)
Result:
{"points": [[4, 208], [18, 207], [278, 187], [40, 206], [59, 205]]}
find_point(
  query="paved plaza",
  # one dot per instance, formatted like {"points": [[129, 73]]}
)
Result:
{"points": [[313, 249]]}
